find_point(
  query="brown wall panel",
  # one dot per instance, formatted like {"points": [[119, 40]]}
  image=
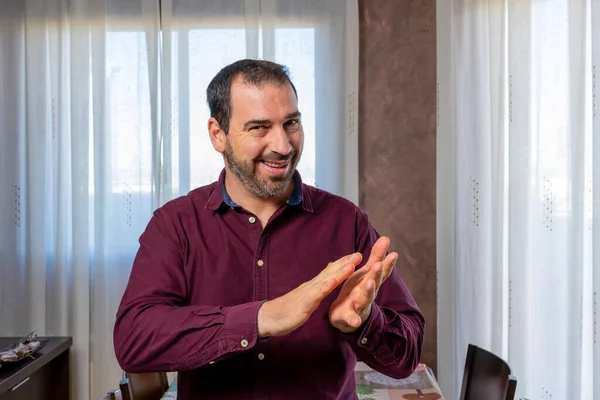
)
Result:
{"points": [[397, 142]]}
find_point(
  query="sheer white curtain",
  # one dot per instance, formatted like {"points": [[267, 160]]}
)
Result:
{"points": [[317, 40], [103, 118], [517, 192]]}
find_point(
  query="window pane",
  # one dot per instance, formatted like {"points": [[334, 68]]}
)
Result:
{"points": [[128, 112], [209, 51], [296, 49]]}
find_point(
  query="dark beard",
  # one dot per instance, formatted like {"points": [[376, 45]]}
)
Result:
{"points": [[246, 173]]}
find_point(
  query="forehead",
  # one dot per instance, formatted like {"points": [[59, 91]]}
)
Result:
{"points": [[266, 101]]}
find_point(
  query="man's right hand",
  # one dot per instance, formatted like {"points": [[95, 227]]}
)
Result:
{"points": [[287, 313]]}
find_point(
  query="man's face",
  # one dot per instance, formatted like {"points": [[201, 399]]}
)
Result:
{"points": [[265, 138]]}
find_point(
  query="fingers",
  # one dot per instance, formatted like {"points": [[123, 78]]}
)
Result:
{"points": [[335, 269], [359, 304], [331, 277], [326, 284], [335, 278], [332, 268], [379, 249], [354, 258], [380, 271], [365, 293], [376, 274], [347, 318], [388, 265], [352, 319]]}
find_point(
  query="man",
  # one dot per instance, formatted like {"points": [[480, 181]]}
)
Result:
{"points": [[257, 286]]}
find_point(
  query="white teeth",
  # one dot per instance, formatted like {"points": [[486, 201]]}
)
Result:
{"points": [[272, 165]]}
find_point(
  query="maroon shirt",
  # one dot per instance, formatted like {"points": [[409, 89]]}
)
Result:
{"points": [[201, 273]]}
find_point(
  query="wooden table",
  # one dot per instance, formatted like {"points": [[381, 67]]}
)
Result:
{"points": [[44, 378], [421, 385]]}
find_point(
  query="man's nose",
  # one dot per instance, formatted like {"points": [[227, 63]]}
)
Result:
{"points": [[280, 142]]}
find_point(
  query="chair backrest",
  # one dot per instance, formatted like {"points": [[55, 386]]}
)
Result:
{"points": [[150, 386], [512, 388], [486, 376], [113, 395]]}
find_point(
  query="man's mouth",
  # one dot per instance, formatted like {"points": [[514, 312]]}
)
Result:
{"points": [[276, 164]]}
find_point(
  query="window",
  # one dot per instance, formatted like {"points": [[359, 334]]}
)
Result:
{"points": [[196, 56]]}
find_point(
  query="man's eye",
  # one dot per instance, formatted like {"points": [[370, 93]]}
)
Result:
{"points": [[293, 122], [258, 127]]}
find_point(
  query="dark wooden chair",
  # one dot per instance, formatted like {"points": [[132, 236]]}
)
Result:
{"points": [[149, 386], [486, 377], [113, 395]]}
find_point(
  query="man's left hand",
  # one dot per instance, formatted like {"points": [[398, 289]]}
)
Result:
{"points": [[353, 305]]}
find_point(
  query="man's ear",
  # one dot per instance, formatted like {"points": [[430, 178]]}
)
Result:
{"points": [[217, 135]]}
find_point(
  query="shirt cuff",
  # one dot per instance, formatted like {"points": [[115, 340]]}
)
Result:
{"points": [[240, 328]]}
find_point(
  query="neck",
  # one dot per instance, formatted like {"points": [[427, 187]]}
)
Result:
{"points": [[262, 207]]}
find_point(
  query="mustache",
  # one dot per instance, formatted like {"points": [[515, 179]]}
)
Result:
{"points": [[276, 157]]}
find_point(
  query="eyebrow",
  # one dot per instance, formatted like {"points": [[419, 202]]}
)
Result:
{"points": [[295, 114]]}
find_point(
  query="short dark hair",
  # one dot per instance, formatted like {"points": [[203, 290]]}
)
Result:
{"points": [[254, 72]]}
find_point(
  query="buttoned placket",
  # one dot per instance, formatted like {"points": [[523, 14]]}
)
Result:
{"points": [[261, 266]]}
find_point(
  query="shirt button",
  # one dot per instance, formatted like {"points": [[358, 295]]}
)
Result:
{"points": [[244, 343], [261, 356], [260, 263], [364, 340], [252, 220]]}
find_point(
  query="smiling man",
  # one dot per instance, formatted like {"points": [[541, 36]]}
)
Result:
{"points": [[258, 286]]}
